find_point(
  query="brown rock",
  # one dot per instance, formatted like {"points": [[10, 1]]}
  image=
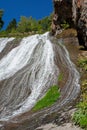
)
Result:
{"points": [[60, 15], [81, 23], [73, 12]]}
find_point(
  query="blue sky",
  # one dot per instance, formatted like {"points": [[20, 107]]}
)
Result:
{"points": [[16, 8]]}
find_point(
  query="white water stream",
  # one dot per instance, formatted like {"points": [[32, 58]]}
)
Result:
{"points": [[27, 70], [26, 73], [3, 42]]}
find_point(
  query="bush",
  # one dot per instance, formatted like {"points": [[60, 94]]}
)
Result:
{"points": [[80, 116], [83, 63]]}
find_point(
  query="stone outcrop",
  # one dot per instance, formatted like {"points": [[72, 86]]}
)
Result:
{"points": [[60, 15], [73, 12], [81, 22]]}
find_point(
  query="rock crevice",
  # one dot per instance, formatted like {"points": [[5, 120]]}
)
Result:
{"points": [[74, 12]]}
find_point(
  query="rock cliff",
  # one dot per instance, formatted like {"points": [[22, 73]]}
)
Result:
{"points": [[81, 22], [74, 12], [62, 12]]}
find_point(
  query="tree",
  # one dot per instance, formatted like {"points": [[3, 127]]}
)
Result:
{"points": [[31, 25], [1, 21], [23, 25], [27, 24], [45, 23], [12, 26]]}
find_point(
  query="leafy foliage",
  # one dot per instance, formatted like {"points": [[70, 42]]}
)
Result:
{"points": [[83, 63], [1, 21], [12, 26], [45, 24], [80, 116], [50, 98], [32, 25], [27, 26]]}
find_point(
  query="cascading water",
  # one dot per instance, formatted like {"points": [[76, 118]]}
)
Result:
{"points": [[3, 42], [25, 72], [28, 70]]}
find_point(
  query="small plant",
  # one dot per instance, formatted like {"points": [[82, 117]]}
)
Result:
{"points": [[83, 63], [65, 25], [50, 98], [80, 116]]}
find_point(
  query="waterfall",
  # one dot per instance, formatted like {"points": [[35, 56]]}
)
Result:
{"points": [[26, 72], [29, 69], [3, 42]]}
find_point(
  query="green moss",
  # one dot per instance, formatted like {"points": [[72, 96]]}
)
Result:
{"points": [[50, 98], [60, 77]]}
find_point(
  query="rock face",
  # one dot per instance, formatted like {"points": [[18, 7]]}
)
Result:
{"points": [[60, 15], [73, 12], [81, 22]]}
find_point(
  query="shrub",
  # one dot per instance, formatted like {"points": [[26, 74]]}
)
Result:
{"points": [[80, 116], [83, 63]]}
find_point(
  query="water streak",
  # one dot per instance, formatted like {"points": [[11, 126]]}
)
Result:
{"points": [[26, 73], [3, 42]]}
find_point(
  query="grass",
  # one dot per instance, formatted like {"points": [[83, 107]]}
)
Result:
{"points": [[49, 99], [15, 34]]}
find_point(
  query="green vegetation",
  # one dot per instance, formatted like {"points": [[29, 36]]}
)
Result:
{"points": [[65, 25], [1, 21], [26, 26], [83, 63], [34, 26], [50, 98], [12, 26], [80, 116], [60, 77]]}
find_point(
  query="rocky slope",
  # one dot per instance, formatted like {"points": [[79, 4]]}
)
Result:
{"points": [[67, 126]]}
